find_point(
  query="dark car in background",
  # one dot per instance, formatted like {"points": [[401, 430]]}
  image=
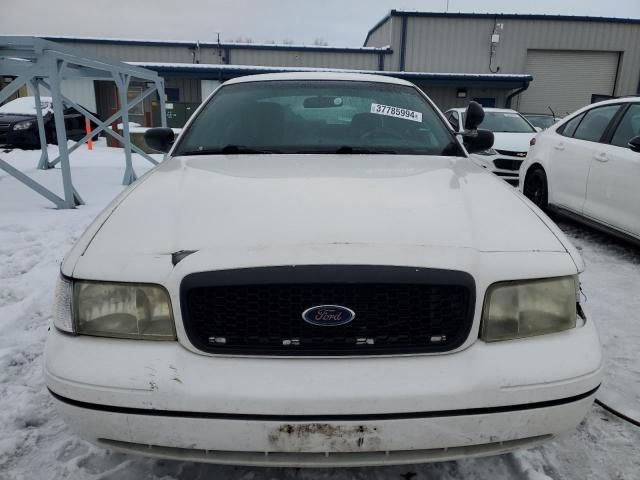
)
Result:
{"points": [[19, 123], [541, 120]]}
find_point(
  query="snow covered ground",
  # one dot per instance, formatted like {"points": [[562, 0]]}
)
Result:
{"points": [[35, 443]]}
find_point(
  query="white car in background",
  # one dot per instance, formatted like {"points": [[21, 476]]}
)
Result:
{"points": [[512, 136], [588, 167], [318, 275]]}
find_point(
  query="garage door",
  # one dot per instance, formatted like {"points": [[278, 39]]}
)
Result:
{"points": [[565, 80]]}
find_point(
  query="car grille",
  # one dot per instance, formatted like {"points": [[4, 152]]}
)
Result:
{"points": [[512, 153], [258, 311], [507, 164]]}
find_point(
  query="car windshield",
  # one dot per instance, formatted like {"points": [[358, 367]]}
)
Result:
{"points": [[507, 122], [541, 121], [324, 116]]}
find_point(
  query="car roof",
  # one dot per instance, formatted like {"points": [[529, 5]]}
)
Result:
{"points": [[354, 77], [24, 105], [613, 101], [629, 99]]}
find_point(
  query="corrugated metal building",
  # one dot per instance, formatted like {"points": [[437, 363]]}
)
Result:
{"points": [[530, 62], [189, 86], [570, 58]]}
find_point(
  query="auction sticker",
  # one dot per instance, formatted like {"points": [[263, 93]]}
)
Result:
{"points": [[396, 112]]}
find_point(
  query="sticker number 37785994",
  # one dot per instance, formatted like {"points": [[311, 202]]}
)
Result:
{"points": [[396, 112]]}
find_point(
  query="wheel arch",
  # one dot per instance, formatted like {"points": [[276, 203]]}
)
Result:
{"points": [[539, 165]]}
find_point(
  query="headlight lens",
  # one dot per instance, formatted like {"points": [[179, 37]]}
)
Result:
{"points": [[123, 310], [62, 313], [528, 308], [22, 125], [490, 151]]}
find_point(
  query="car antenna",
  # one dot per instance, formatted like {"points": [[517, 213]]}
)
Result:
{"points": [[552, 112]]}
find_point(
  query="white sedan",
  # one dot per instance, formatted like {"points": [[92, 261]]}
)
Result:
{"points": [[588, 167], [318, 275], [512, 136]]}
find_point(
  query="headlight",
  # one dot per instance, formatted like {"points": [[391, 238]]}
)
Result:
{"points": [[123, 310], [23, 125], [490, 151], [62, 312], [528, 308]]}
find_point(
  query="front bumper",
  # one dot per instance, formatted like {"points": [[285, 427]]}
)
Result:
{"points": [[320, 441], [159, 399], [22, 139], [511, 176]]}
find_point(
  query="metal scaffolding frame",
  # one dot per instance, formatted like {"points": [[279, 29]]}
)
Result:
{"points": [[41, 63]]}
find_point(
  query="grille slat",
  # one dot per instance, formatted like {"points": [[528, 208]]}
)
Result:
{"points": [[507, 164], [255, 319]]}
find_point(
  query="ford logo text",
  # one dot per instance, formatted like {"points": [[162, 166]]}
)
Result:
{"points": [[328, 315]]}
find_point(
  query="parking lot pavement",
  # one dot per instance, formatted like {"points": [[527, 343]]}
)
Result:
{"points": [[35, 443], [611, 285]]}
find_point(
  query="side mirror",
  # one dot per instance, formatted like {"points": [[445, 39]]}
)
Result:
{"points": [[538, 129], [478, 141], [159, 139], [473, 116], [634, 144]]}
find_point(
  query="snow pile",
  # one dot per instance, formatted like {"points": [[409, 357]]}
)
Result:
{"points": [[137, 128], [36, 444], [27, 106], [34, 237], [131, 125]]}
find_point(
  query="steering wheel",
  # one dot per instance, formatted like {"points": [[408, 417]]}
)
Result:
{"points": [[383, 133]]}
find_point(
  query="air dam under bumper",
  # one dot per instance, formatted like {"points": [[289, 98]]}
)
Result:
{"points": [[325, 442], [159, 399]]}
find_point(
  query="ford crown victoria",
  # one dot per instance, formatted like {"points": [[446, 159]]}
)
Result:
{"points": [[318, 275]]}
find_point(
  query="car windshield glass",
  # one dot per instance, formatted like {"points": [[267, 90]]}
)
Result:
{"points": [[508, 122], [541, 121], [324, 116]]}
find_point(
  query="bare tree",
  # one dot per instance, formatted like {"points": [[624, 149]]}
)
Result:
{"points": [[320, 42]]}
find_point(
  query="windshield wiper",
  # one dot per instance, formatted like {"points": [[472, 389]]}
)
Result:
{"points": [[348, 150], [230, 150]]}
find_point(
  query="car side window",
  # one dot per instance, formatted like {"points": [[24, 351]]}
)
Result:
{"points": [[629, 127], [569, 128], [595, 122]]}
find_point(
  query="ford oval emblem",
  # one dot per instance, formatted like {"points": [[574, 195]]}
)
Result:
{"points": [[328, 315]]}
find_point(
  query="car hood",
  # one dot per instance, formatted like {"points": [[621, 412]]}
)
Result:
{"points": [[513, 142], [15, 117], [266, 201]]}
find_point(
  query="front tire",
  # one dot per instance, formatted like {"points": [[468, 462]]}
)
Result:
{"points": [[536, 188]]}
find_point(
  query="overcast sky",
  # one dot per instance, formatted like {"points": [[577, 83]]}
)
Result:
{"points": [[336, 22]]}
